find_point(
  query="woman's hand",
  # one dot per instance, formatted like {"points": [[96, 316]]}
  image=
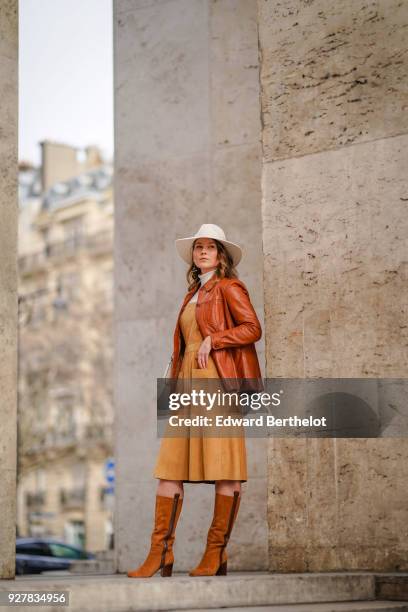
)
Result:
{"points": [[203, 352]]}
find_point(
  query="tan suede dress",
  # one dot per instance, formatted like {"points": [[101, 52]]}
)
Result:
{"points": [[203, 458]]}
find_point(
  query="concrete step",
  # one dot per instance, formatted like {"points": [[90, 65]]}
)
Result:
{"points": [[104, 563], [240, 590], [391, 586], [361, 606], [93, 566]]}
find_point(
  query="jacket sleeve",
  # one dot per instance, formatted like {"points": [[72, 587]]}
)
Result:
{"points": [[247, 329]]}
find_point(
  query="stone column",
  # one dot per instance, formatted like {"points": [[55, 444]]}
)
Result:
{"points": [[335, 142], [187, 146], [8, 283]]}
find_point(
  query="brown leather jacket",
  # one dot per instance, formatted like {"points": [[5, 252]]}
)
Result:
{"points": [[224, 312]]}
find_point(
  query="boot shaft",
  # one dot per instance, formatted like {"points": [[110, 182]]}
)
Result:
{"points": [[214, 560], [160, 556], [167, 512], [225, 512]]}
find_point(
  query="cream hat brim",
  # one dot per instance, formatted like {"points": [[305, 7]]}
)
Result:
{"points": [[184, 248]]}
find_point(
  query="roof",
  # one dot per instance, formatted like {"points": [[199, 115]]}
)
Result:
{"points": [[91, 183]]}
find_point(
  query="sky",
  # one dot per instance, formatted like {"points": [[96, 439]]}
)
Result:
{"points": [[65, 75]]}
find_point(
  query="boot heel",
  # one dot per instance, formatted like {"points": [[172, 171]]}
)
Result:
{"points": [[222, 570], [166, 570]]}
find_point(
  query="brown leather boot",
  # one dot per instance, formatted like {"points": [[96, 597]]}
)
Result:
{"points": [[161, 556], [214, 560]]}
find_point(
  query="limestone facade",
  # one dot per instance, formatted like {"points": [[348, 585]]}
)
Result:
{"points": [[188, 151], [333, 83]]}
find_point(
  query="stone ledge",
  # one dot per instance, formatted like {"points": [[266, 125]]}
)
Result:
{"points": [[392, 587], [363, 606], [118, 593]]}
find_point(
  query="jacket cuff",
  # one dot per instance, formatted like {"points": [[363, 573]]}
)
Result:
{"points": [[216, 342]]}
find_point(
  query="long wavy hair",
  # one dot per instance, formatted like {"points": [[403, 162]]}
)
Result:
{"points": [[225, 267]]}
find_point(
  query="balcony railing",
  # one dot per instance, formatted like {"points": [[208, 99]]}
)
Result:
{"points": [[102, 242], [72, 498], [35, 499]]}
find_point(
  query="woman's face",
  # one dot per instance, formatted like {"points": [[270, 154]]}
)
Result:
{"points": [[205, 254]]}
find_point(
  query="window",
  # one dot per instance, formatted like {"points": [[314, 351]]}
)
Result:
{"points": [[32, 549], [73, 230], [60, 550], [66, 417], [70, 284]]}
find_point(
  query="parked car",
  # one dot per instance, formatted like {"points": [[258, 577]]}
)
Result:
{"points": [[36, 555]]}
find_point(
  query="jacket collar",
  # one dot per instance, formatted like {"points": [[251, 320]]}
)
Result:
{"points": [[207, 287], [210, 283]]}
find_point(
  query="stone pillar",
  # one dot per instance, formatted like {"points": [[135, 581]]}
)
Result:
{"points": [[187, 134], [8, 283], [335, 142]]}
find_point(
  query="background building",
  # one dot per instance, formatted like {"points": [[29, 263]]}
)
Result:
{"points": [[65, 414]]}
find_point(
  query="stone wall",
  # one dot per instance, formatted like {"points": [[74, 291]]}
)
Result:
{"points": [[333, 82], [187, 127], [8, 282]]}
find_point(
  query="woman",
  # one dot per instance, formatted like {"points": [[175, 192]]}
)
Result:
{"points": [[214, 337]]}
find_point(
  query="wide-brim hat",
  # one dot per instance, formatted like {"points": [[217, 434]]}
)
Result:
{"points": [[208, 230]]}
